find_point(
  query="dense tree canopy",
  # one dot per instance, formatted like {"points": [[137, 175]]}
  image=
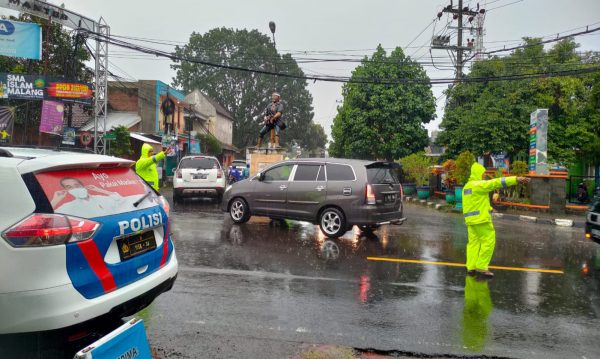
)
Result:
{"points": [[247, 94], [383, 121], [494, 116]]}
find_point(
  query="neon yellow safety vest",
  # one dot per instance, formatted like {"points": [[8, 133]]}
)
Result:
{"points": [[145, 167], [476, 200]]}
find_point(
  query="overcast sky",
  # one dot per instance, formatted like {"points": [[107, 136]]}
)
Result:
{"points": [[346, 25]]}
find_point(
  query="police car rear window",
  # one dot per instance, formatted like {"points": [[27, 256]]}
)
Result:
{"points": [[199, 163], [91, 193]]}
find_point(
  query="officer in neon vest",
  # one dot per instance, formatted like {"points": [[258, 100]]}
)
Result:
{"points": [[145, 167], [478, 217]]}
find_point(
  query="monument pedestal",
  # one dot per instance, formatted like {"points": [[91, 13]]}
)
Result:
{"points": [[549, 191], [260, 158]]}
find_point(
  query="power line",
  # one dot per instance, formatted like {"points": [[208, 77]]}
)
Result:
{"points": [[370, 81]]}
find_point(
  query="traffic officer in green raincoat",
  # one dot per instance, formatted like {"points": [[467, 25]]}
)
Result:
{"points": [[478, 217], [145, 167]]}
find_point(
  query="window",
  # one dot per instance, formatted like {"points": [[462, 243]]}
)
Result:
{"points": [[340, 173], [306, 173], [381, 174], [281, 173], [201, 163], [321, 176]]}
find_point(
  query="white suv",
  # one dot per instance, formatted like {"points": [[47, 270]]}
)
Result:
{"points": [[198, 176], [81, 237]]}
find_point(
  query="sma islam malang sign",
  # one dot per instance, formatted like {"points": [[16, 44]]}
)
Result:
{"points": [[34, 87]]}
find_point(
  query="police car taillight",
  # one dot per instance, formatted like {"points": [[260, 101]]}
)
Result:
{"points": [[43, 229], [165, 205]]}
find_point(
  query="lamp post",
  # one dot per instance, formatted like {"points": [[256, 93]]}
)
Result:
{"points": [[272, 28]]}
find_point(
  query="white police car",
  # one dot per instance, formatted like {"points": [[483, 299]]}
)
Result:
{"points": [[82, 237]]}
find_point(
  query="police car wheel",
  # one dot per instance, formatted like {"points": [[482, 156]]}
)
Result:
{"points": [[239, 211]]}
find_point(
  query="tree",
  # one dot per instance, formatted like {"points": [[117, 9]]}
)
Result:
{"points": [[383, 121], [463, 167], [493, 117], [316, 139], [121, 146], [246, 94], [209, 143]]}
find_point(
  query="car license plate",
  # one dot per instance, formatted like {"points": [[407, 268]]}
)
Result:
{"points": [[200, 176], [390, 198], [596, 233], [136, 244]]}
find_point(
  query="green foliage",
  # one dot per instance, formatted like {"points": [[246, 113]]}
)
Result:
{"points": [[416, 167], [463, 166], [519, 168], [381, 121], [121, 146], [209, 144], [494, 116], [316, 138], [246, 94]]}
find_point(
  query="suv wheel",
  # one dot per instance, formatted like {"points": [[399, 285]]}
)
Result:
{"points": [[239, 211], [332, 222]]}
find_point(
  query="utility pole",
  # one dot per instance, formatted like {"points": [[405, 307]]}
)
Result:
{"points": [[459, 51], [442, 42]]}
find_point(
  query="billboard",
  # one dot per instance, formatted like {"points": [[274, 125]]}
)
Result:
{"points": [[20, 39], [52, 117], [39, 87]]}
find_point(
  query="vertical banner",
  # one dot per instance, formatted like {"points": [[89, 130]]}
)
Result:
{"points": [[52, 117], [6, 124], [20, 39], [538, 142]]}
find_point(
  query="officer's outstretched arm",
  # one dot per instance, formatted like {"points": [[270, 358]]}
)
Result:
{"points": [[494, 184], [146, 162]]}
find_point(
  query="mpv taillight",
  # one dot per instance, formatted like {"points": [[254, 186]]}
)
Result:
{"points": [[44, 229], [401, 193], [370, 195]]}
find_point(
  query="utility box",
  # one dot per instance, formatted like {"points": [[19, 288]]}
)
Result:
{"points": [[261, 158]]}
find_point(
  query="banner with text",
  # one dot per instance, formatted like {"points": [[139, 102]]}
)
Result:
{"points": [[39, 87], [20, 39]]}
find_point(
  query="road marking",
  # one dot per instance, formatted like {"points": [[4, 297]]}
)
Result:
{"points": [[451, 264]]}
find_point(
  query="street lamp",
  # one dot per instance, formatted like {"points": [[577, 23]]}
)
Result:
{"points": [[272, 28]]}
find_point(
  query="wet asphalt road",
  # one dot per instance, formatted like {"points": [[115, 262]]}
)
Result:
{"points": [[262, 290]]}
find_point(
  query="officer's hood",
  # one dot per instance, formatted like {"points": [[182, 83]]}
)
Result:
{"points": [[477, 172], [146, 148]]}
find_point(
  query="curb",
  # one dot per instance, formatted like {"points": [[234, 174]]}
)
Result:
{"points": [[559, 222]]}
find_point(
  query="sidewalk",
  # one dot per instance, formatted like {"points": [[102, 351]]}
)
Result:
{"points": [[561, 220]]}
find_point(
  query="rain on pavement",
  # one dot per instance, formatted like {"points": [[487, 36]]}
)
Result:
{"points": [[262, 289]]}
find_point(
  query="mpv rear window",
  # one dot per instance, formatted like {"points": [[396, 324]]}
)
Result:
{"points": [[199, 163], [381, 174], [339, 173], [90, 193]]}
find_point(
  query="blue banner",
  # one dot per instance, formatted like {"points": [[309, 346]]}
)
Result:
{"points": [[20, 39], [131, 343]]}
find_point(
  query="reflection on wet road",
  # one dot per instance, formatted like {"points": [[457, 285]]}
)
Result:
{"points": [[262, 288]]}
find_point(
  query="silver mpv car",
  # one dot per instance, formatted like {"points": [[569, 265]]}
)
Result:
{"points": [[334, 193]]}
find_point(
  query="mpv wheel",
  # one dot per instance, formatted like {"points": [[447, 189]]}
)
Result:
{"points": [[239, 211], [332, 223]]}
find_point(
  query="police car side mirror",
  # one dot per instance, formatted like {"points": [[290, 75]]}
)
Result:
{"points": [[261, 176]]}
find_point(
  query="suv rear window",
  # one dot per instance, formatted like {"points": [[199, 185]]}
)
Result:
{"points": [[340, 173], [381, 175], [90, 193], [199, 163]]}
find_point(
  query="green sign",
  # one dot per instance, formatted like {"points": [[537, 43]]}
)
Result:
{"points": [[110, 136]]}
